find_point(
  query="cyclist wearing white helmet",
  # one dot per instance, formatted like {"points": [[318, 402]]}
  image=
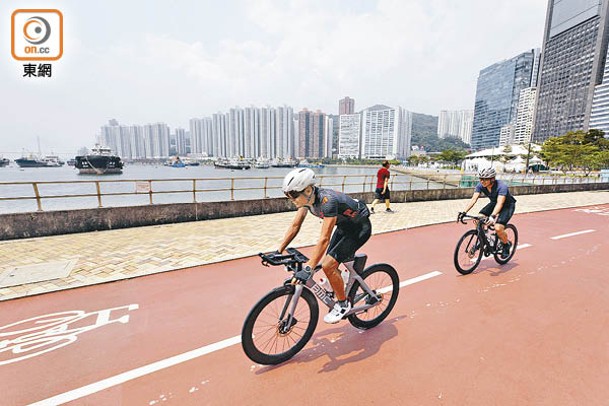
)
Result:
{"points": [[353, 229], [501, 207]]}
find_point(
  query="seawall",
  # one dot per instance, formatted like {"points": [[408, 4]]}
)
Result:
{"points": [[39, 224]]}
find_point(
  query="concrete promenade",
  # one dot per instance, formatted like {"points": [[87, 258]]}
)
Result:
{"points": [[106, 256]]}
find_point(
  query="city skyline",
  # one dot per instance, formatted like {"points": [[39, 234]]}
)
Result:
{"points": [[171, 63]]}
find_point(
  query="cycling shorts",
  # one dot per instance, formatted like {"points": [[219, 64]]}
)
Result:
{"points": [[505, 214], [348, 239]]}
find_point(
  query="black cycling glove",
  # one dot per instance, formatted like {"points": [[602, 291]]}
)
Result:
{"points": [[304, 274]]}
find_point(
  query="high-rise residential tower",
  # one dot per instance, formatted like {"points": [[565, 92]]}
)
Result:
{"points": [[386, 132], [349, 134], [311, 134], [346, 106], [497, 96], [455, 123], [572, 64]]}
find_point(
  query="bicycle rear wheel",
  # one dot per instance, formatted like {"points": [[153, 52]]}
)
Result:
{"points": [[267, 338], [384, 281], [468, 252], [512, 234]]}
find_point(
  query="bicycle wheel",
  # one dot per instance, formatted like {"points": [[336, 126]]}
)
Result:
{"points": [[468, 252], [512, 233], [266, 338], [383, 280]]}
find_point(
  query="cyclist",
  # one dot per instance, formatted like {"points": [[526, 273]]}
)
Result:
{"points": [[353, 229], [501, 207]]}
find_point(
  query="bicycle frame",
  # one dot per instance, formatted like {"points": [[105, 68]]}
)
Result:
{"points": [[326, 297], [319, 292], [487, 248]]}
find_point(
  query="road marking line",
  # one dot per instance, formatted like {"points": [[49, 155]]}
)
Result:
{"points": [[558, 237], [522, 246], [166, 363], [136, 373], [412, 281]]}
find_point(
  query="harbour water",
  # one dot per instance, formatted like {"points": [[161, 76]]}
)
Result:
{"points": [[136, 181]]}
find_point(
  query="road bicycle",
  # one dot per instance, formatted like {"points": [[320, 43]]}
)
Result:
{"points": [[283, 321], [480, 241]]}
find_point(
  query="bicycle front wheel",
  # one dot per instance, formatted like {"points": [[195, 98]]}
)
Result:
{"points": [[270, 336], [384, 281], [468, 252], [512, 234]]}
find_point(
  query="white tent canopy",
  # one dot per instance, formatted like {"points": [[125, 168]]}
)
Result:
{"points": [[503, 159]]}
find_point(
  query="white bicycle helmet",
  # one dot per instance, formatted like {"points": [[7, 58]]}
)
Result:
{"points": [[297, 180], [487, 173]]}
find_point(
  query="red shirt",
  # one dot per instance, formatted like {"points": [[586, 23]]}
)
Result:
{"points": [[381, 175]]}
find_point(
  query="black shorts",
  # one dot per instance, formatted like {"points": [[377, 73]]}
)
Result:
{"points": [[378, 194], [348, 239], [505, 214]]}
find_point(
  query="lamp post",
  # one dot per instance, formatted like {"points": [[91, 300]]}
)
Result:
{"points": [[526, 167]]}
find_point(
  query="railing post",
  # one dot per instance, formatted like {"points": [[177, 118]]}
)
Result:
{"points": [[265, 187], [444, 182], [194, 190], [232, 188], [38, 201], [364, 184], [343, 186], [150, 191], [98, 189]]}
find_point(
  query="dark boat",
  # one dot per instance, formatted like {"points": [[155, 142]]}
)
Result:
{"points": [[4, 162], [99, 162], [50, 161]]}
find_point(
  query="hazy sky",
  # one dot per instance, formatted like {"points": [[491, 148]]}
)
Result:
{"points": [[169, 61]]}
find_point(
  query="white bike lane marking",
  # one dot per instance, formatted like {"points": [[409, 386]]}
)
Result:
{"points": [[558, 237], [168, 362], [38, 335]]}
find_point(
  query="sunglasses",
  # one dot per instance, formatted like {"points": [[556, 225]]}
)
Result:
{"points": [[292, 194]]}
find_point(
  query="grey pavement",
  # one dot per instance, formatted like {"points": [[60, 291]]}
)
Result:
{"points": [[46, 264]]}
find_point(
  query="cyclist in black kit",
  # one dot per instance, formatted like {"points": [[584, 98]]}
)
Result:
{"points": [[353, 229]]}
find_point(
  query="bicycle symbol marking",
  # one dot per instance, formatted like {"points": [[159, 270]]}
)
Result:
{"points": [[38, 335]]}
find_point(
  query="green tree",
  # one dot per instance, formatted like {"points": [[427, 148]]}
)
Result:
{"points": [[577, 149], [453, 156]]}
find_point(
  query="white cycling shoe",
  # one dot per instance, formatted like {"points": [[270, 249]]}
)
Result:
{"points": [[337, 312]]}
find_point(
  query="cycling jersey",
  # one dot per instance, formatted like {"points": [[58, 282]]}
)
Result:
{"points": [[330, 203], [499, 188]]}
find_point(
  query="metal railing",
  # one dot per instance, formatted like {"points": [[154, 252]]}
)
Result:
{"points": [[234, 188]]}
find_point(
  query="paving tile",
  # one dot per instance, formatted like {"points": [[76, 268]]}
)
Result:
{"points": [[104, 256]]}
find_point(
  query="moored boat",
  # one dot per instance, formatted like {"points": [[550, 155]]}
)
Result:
{"points": [[100, 161], [284, 163], [234, 163], [32, 161]]}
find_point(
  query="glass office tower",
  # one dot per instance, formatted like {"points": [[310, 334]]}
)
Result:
{"points": [[497, 96], [573, 57]]}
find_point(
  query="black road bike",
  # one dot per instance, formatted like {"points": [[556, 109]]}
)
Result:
{"points": [[283, 321], [480, 241]]}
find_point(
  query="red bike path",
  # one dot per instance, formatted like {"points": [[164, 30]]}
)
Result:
{"points": [[533, 331]]}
